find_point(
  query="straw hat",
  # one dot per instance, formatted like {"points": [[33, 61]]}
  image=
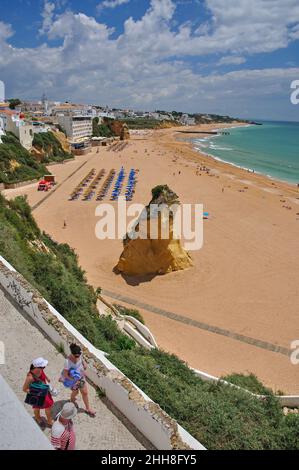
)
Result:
{"points": [[68, 411]]}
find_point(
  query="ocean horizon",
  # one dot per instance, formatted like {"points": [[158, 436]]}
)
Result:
{"points": [[270, 149]]}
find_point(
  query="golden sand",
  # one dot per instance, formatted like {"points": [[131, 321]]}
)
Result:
{"points": [[244, 279]]}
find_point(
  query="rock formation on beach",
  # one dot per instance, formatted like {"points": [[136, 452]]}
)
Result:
{"points": [[125, 133], [143, 255], [119, 129]]}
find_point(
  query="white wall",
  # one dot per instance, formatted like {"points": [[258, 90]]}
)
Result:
{"points": [[2, 92], [291, 401], [21, 130], [18, 431]]}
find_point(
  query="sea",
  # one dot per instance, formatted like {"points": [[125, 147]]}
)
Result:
{"points": [[271, 149]]}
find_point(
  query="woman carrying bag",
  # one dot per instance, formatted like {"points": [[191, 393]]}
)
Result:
{"points": [[73, 377], [38, 391]]}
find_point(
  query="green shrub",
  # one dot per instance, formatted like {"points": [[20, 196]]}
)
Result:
{"points": [[249, 382], [51, 147], [132, 312], [146, 123], [219, 416], [61, 129], [12, 151], [101, 130]]}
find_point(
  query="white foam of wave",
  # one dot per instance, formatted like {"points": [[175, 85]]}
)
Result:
{"points": [[250, 170], [233, 164], [232, 127], [216, 147]]}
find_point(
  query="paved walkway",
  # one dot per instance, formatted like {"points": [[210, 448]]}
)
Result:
{"points": [[201, 325], [23, 342]]}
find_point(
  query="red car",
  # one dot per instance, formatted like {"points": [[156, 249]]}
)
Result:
{"points": [[44, 185]]}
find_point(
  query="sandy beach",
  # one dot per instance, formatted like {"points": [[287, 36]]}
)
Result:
{"points": [[237, 308]]}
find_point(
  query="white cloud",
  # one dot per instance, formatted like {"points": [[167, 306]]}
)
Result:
{"points": [[294, 34], [146, 65], [111, 3], [48, 16], [5, 31], [255, 26], [231, 60]]}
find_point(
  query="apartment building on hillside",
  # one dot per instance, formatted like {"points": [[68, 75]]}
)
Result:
{"points": [[77, 128], [10, 121]]}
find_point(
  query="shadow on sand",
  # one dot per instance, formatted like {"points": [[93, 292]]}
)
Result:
{"points": [[135, 280]]}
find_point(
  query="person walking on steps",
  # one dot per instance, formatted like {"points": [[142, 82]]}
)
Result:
{"points": [[63, 436], [38, 391], [73, 377]]}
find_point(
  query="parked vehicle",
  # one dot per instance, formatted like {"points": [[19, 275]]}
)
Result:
{"points": [[46, 183]]}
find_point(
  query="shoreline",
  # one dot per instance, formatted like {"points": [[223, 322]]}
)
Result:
{"points": [[219, 159], [216, 163]]}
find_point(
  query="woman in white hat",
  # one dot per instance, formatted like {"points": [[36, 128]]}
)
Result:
{"points": [[63, 435], [36, 374]]}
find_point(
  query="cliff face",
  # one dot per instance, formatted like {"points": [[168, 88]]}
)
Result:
{"points": [[38, 153], [60, 136], [168, 124], [119, 129], [16, 163], [164, 254], [50, 146]]}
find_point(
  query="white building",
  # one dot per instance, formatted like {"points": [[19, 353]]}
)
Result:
{"points": [[70, 108], [40, 127], [77, 128], [120, 114], [1, 130], [32, 107], [187, 120], [2, 92], [20, 129], [108, 115], [10, 121], [161, 116]]}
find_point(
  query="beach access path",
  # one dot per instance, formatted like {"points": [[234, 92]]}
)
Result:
{"points": [[23, 342]]}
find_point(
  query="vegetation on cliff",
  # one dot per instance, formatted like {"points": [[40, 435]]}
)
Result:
{"points": [[147, 123], [219, 416], [101, 130], [201, 118], [49, 147], [249, 382], [53, 269], [16, 163]]}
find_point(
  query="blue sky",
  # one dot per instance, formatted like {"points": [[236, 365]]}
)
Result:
{"points": [[219, 56]]}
